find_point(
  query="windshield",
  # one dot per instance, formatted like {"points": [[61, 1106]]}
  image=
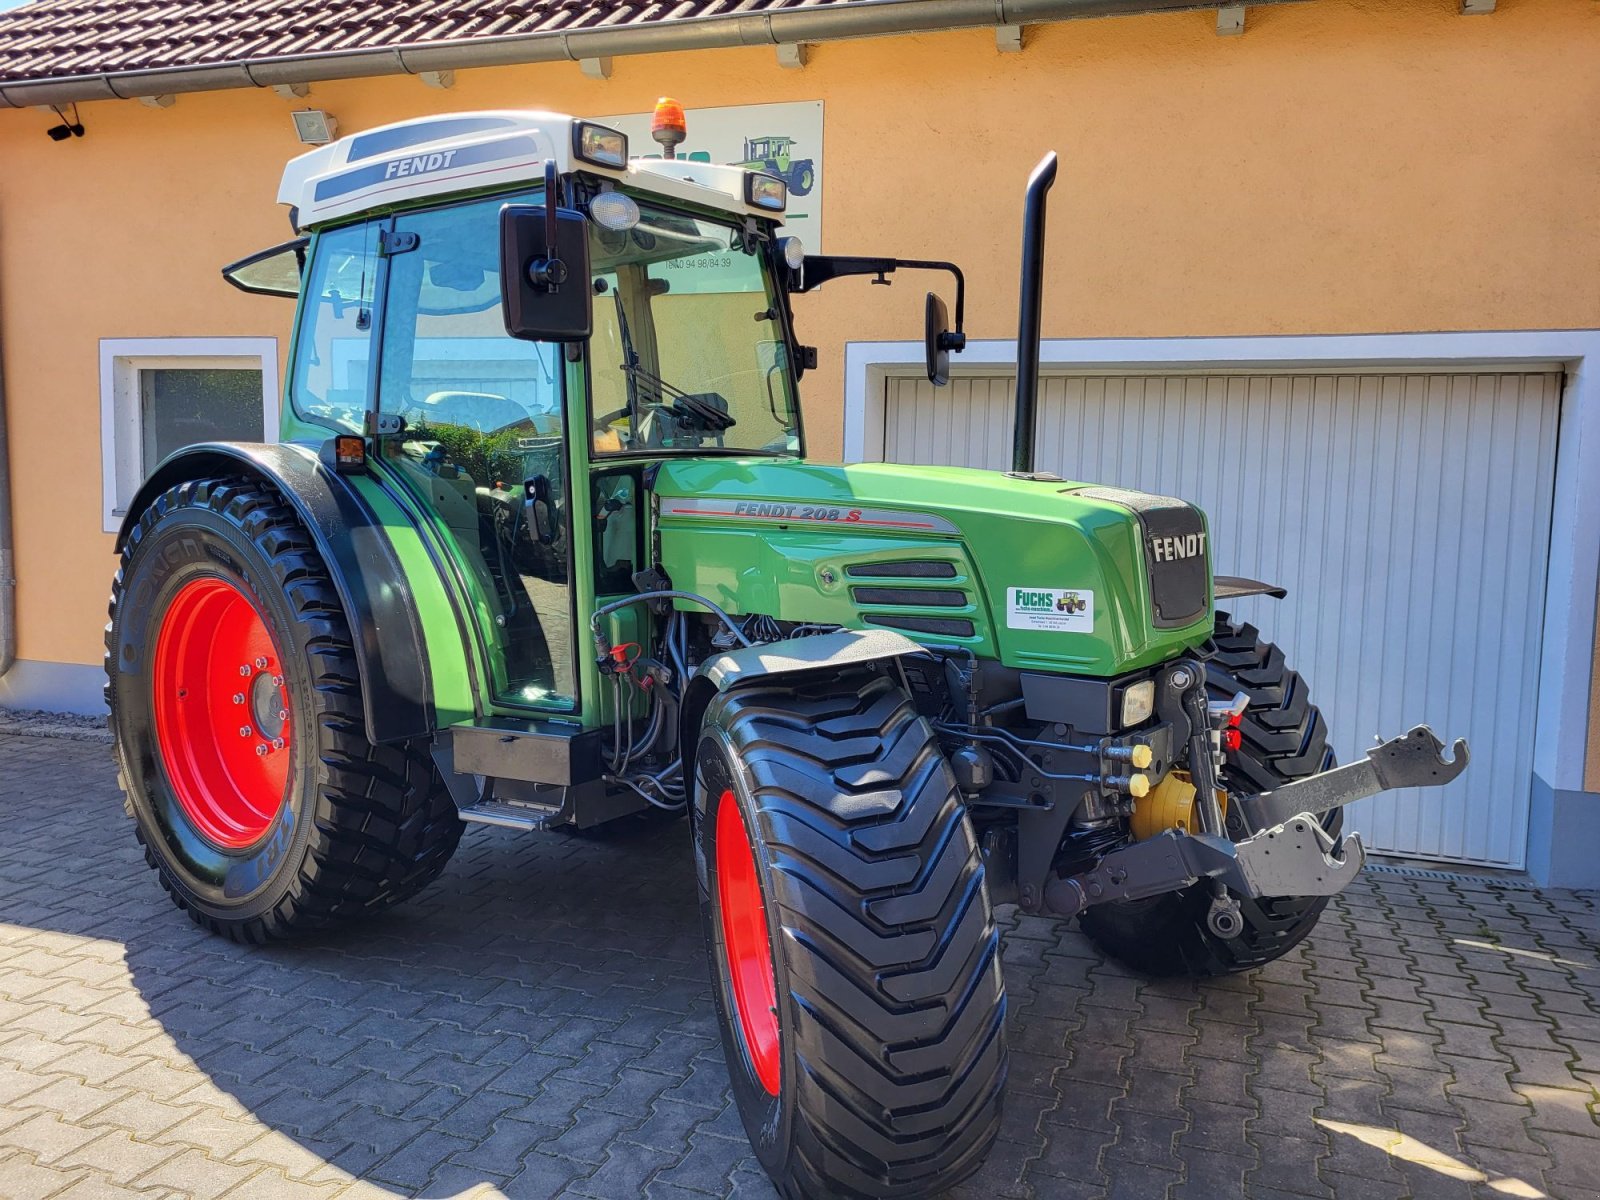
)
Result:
{"points": [[689, 352]]}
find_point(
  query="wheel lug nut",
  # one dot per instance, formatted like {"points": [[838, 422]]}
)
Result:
{"points": [[238, 697], [244, 731], [244, 669], [261, 664], [277, 681], [277, 743], [261, 749], [283, 714]]}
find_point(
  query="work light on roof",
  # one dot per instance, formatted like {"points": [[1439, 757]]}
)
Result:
{"points": [[599, 145], [794, 252], [765, 191]]}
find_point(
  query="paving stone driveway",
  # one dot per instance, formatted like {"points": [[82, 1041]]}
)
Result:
{"points": [[539, 1023]]}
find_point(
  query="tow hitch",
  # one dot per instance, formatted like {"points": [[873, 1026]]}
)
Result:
{"points": [[1289, 855]]}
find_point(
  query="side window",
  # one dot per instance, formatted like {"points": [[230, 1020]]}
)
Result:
{"points": [[333, 361]]}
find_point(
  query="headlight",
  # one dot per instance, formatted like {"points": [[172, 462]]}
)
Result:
{"points": [[1138, 702], [598, 145], [794, 252], [614, 211]]}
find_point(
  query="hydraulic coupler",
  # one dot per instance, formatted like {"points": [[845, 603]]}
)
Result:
{"points": [[1288, 854]]}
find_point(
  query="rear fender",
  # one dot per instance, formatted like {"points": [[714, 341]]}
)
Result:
{"points": [[399, 667]]}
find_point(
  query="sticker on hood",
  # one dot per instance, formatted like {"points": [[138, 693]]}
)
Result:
{"points": [[1050, 610]]}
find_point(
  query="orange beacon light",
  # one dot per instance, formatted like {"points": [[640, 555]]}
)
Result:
{"points": [[668, 125]]}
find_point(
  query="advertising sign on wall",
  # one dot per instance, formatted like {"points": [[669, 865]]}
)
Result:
{"points": [[781, 139]]}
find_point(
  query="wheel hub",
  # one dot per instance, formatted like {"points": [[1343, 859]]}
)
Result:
{"points": [[221, 713], [747, 943]]}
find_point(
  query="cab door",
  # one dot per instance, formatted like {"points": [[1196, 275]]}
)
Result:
{"points": [[482, 449]]}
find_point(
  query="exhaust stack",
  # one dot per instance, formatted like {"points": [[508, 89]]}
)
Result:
{"points": [[1028, 313]]}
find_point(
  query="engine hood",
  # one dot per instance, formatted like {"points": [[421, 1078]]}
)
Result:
{"points": [[1052, 575]]}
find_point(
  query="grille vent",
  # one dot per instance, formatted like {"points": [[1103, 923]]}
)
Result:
{"points": [[905, 569]]}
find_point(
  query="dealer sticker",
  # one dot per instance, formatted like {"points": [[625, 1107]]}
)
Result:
{"points": [[1053, 610]]}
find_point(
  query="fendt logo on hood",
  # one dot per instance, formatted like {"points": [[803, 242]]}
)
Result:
{"points": [[1175, 549]]}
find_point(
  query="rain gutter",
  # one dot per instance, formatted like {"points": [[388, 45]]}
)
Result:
{"points": [[783, 26]]}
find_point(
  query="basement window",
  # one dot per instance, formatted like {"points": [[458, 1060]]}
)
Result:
{"points": [[158, 395]]}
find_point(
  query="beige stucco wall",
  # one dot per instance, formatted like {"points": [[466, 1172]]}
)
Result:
{"points": [[1345, 166]]}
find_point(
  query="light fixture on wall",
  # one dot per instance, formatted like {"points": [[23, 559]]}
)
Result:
{"points": [[315, 127]]}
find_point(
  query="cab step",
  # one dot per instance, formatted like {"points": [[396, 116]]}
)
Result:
{"points": [[511, 814]]}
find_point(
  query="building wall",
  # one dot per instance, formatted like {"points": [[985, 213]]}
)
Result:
{"points": [[1342, 167]]}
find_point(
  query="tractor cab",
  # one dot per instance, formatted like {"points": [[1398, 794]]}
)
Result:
{"points": [[486, 393]]}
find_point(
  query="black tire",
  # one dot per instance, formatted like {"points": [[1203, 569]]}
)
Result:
{"points": [[360, 827], [1285, 738], [885, 958]]}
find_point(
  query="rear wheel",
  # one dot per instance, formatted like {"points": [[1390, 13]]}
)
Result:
{"points": [[1284, 738], [855, 956], [236, 704]]}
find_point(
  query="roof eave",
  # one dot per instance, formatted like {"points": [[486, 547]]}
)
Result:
{"points": [[859, 19]]}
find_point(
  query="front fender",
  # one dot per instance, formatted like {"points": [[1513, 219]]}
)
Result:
{"points": [[391, 645], [791, 656]]}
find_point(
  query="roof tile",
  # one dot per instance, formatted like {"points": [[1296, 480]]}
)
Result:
{"points": [[49, 39]]}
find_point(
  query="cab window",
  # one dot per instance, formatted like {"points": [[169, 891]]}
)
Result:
{"points": [[333, 354]]}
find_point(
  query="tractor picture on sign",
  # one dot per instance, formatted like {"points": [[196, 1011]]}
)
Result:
{"points": [[774, 155]]}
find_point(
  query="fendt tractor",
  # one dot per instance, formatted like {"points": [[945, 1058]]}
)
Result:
{"points": [[541, 548]]}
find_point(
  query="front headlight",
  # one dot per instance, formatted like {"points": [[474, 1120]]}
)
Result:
{"points": [[1138, 703]]}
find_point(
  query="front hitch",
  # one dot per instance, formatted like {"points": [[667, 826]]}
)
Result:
{"points": [[1415, 760], [1291, 855]]}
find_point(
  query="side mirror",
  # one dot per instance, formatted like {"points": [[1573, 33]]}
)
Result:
{"points": [[541, 513], [545, 291], [936, 341]]}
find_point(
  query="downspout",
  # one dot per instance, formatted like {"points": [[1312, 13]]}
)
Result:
{"points": [[8, 581]]}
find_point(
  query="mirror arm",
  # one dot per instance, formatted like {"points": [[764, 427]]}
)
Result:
{"points": [[549, 273], [820, 268]]}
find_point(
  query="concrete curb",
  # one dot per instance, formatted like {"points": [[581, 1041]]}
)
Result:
{"points": [[75, 727]]}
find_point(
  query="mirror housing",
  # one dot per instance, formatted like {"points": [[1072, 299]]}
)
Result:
{"points": [[936, 340], [540, 512], [545, 290]]}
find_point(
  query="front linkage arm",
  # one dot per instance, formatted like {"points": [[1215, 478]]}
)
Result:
{"points": [[1291, 855]]}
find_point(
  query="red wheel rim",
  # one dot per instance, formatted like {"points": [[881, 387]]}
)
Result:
{"points": [[747, 943], [221, 712]]}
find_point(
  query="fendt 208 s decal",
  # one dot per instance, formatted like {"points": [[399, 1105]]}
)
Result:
{"points": [[824, 513]]}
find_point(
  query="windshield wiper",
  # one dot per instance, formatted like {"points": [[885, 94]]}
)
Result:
{"points": [[686, 407]]}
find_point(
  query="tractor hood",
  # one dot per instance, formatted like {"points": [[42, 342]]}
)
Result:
{"points": [[1043, 574]]}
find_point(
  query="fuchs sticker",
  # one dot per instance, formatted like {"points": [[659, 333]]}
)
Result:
{"points": [[1051, 610]]}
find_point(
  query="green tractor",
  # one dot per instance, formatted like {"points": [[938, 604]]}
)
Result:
{"points": [[774, 155], [540, 547]]}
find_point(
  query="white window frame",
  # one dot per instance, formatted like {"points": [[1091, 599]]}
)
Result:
{"points": [[121, 435]]}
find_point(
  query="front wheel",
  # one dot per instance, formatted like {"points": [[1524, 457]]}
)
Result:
{"points": [[856, 960], [1284, 739], [236, 704]]}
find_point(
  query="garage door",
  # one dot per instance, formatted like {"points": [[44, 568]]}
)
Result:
{"points": [[1408, 515]]}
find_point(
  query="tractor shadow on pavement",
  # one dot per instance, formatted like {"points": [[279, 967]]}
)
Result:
{"points": [[539, 1020]]}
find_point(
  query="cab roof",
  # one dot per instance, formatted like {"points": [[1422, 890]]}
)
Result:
{"points": [[434, 156]]}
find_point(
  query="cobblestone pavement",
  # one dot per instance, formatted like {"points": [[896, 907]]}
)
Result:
{"points": [[539, 1023]]}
